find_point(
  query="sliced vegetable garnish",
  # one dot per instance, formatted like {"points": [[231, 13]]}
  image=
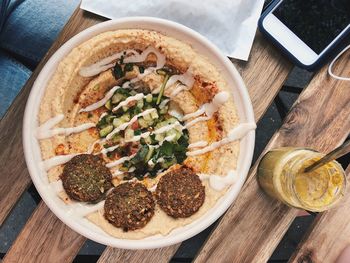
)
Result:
{"points": [[128, 67], [160, 95], [154, 151], [118, 71]]}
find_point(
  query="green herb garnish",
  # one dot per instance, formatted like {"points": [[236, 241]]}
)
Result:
{"points": [[160, 95], [141, 69], [128, 67], [117, 71]]}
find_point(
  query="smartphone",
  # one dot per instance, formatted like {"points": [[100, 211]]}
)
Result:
{"points": [[307, 31]]}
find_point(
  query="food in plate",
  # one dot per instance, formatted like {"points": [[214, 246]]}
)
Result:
{"points": [[139, 133], [129, 206], [180, 193], [86, 178]]}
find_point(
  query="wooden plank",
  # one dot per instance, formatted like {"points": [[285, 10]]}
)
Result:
{"points": [[264, 75], [45, 239], [154, 255], [252, 228], [328, 235], [14, 176]]}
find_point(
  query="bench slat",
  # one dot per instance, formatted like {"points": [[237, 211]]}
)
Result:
{"points": [[252, 228], [328, 235], [154, 255], [45, 239]]}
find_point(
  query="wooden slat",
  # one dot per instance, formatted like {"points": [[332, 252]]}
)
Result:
{"points": [[271, 73], [328, 235], [155, 255], [264, 75], [45, 239], [14, 176], [252, 228]]}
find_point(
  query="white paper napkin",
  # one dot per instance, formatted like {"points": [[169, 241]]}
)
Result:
{"points": [[230, 24]]}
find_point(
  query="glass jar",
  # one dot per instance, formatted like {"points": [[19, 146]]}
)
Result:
{"points": [[281, 175]]}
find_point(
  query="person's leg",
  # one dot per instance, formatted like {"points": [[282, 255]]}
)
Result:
{"points": [[13, 75], [27, 34], [4, 8], [32, 27]]}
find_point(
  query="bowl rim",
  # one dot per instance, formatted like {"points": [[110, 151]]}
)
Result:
{"points": [[35, 170]]}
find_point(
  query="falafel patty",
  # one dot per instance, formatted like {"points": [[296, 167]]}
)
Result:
{"points": [[129, 206], [180, 193], [86, 178]]}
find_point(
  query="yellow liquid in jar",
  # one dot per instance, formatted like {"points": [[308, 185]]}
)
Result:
{"points": [[319, 187], [281, 175]]}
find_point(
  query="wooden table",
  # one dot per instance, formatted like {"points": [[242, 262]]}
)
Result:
{"points": [[254, 224]]}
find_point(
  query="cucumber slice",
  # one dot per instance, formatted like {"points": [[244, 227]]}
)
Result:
{"points": [[150, 123], [159, 125], [117, 97], [142, 122], [148, 140], [149, 98], [133, 92], [117, 122], [164, 110], [108, 105], [163, 103], [175, 132], [129, 134], [148, 106], [116, 138], [140, 104], [154, 115], [159, 137], [109, 119], [172, 132], [125, 117], [147, 117], [123, 169], [168, 162], [178, 134], [170, 121], [149, 154], [166, 122], [151, 163], [106, 130]]}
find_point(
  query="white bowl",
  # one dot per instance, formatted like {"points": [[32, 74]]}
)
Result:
{"points": [[32, 150]]}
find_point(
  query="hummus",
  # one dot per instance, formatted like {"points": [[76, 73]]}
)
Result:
{"points": [[75, 102]]}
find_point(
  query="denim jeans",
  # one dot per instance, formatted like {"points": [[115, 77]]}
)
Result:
{"points": [[28, 29]]}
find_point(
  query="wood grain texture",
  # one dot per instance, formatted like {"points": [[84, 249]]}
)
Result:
{"points": [[159, 255], [45, 239], [264, 75], [328, 235], [254, 225], [14, 176]]}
